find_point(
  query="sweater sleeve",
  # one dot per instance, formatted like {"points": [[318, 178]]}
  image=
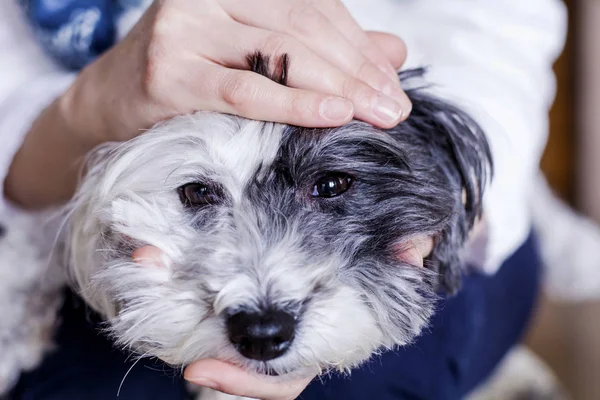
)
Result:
{"points": [[29, 82]]}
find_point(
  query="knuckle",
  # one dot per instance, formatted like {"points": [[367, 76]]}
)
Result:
{"points": [[368, 73], [363, 67], [274, 44], [348, 87], [305, 18], [358, 92], [235, 92], [300, 107]]}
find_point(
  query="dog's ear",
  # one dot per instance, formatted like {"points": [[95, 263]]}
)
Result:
{"points": [[459, 151]]}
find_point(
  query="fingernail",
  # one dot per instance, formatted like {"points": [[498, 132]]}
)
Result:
{"points": [[387, 109], [396, 93], [204, 382], [336, 109]]}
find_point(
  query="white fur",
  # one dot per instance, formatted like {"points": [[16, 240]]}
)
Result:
{"points": [[176, 313], [30, 295]]}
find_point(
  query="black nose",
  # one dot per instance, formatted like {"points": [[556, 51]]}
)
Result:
{"points": [[261, 336]]}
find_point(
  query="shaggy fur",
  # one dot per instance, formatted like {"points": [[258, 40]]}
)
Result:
{"points": [[29, 296], [266, 239], [266, 243]]}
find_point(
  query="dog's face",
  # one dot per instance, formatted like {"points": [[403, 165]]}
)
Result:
{"points": [[281, 243]]}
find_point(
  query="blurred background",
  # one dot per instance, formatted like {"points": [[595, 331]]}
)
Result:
{"points": [[567, 336]]}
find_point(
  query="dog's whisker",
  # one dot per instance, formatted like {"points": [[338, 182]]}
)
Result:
{"points": [[127, 373]]}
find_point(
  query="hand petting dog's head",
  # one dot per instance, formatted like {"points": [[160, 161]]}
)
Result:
{"points": [[280, 242]]}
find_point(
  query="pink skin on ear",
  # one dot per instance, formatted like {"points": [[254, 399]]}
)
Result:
{"points": [[149, 256], [414, 251]]}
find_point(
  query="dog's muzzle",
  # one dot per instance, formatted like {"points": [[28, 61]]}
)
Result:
{"points": [[261, 336]]}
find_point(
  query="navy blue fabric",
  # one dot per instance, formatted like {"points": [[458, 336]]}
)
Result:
{"points": [[75, 32], [468, 336], [86, 366]]}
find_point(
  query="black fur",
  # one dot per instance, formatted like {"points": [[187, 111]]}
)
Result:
{"points": [[410, 179], [405, 181]]}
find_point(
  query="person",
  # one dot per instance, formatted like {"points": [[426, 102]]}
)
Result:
{"points": [[492, 57]]}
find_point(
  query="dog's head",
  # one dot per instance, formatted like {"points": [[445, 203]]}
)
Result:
{"points": [[280, 242]]}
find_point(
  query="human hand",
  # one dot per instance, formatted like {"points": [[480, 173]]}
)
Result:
{"points": [[188, 55], [230, 379]]}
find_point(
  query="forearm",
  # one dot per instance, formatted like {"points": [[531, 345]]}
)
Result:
{"points": [[45, 169]]}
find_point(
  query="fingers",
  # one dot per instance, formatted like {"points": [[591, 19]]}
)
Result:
{"points": [[309, 72], [393, 48], [308, 25], [233, 380], [256, 97], [309, 37], [339, 15], [332, 76]]}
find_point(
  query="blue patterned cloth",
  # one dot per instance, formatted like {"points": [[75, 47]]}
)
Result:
{"points": [[75, 32]]}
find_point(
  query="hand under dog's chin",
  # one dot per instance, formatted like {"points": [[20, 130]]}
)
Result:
{"points": [[278, 235], [296, 374]]}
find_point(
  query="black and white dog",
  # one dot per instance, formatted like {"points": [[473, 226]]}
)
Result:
{"points": [[280, 243]]}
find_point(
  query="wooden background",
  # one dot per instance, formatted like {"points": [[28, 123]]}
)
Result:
{"points": [[558, 162], [567, 336]]}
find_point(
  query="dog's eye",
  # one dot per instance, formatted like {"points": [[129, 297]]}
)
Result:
{"points": [[332, 185], [198, 194]]}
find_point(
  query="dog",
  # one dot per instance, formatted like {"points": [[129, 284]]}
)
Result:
{"points": [[281, 244]]}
